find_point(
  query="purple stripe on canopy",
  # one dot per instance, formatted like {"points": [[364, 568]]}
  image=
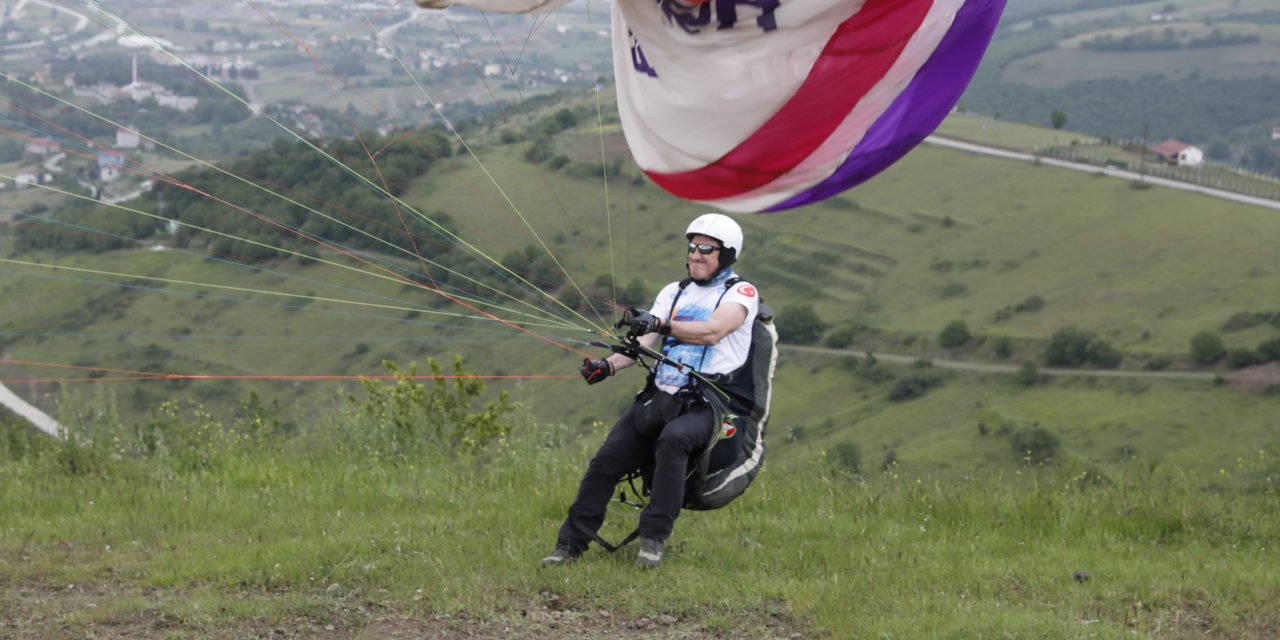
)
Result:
{"points": [[920, 108]]}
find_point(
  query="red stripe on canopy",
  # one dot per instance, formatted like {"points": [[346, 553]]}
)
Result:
{"points": [[859, 53]]}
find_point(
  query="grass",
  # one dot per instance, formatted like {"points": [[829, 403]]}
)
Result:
{"points": [[1008, 135], [328, 529]]}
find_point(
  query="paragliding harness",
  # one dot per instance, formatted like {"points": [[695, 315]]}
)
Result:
{"points": [[740, 400]]}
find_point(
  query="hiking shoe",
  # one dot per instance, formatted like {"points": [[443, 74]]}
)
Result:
{"points": [[560, 557], [650, 554]]}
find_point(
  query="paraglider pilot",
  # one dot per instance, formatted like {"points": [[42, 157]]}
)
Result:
{"points": [[704, 324]]}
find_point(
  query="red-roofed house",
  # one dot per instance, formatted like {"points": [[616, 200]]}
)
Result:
{"points": [[1179, 153], [42, 147], [1275, 133]]}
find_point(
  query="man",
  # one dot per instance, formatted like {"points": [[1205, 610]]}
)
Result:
{"points": [[703, 322]]}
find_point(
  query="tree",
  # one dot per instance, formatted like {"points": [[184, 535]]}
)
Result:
{"points": [[1207, 348], [955, 334], [1218, 149], [1068, 347], [800, 325], [1058, 118]]}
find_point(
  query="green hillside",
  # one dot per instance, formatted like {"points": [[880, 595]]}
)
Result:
{"points": [[941, 237]]}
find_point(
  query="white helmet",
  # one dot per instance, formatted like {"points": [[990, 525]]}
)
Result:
{"points": [[722, 228]]}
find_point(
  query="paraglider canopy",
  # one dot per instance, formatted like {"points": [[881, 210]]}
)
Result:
{"points": [[759, 105]]}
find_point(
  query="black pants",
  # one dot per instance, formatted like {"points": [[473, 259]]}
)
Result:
{"points": [[625, 450]]}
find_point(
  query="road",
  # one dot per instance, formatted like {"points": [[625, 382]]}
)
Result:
{"points": [[1107, 171], [983, 367]]}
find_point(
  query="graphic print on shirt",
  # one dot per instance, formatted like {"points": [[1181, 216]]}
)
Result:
{"points": [[690, 354]]}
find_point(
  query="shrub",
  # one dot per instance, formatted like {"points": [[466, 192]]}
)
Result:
{"points": [[1068, 347], [1247, 320], [1028, 374], [1035, 444], [409, 416], [841, 338], [1241, 358], [1102, 354], [1004, 347], [1207, 348], [890, 460], [955, 334], [916, 384], [1158, 363], [1030, 305], [847, 456], [1269, 350], [800, 324]]}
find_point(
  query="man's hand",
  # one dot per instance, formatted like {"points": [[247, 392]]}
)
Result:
{"points": [[640, 321], [594, 371]]}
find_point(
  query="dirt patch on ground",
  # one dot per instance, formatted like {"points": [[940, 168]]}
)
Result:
{"points": [[80, 611], [1256, 379]]}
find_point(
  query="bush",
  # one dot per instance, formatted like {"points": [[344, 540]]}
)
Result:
{"points": [[1004, 347], [1073, 347], [1028, 374], [1248, 319], [409, 417], [1269, 350], [1241, 358], [847, 456], [1207, 348], [800, 324], [915, 385], [841, 338], [1102, 354], [955, 334], [1158, 363], [1035, 444], [1030, 305], [1068, 347]]}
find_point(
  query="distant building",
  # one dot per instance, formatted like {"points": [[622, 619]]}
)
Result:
{"points": [[25, 178], [1275, 134], [492, 69], [1179, 153], [42, 147], [127, 139], [110, 164]]}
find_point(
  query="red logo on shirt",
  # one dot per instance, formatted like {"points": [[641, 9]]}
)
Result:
{"points": [[747, 290]]}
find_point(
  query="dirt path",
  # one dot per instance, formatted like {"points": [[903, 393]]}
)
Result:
{"points": [[983, 367]]}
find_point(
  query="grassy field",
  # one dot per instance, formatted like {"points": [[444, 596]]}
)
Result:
{"points": [[941, 236], [335, 532], [292, 514], [1068, 62], [1006, 135]]}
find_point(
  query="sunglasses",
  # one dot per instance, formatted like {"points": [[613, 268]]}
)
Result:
{"points": [[704, 249]]}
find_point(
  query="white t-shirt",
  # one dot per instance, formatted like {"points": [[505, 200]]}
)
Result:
{"points": [[697, 303]]}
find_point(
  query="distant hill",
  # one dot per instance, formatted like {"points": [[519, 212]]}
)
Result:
{"points": [[1123, 70]]}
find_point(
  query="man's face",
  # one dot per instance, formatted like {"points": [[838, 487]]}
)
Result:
{"points": [[703, 266]]}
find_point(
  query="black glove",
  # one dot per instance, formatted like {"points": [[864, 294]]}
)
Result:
{"points": [[640, 321], [594, 371]]}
